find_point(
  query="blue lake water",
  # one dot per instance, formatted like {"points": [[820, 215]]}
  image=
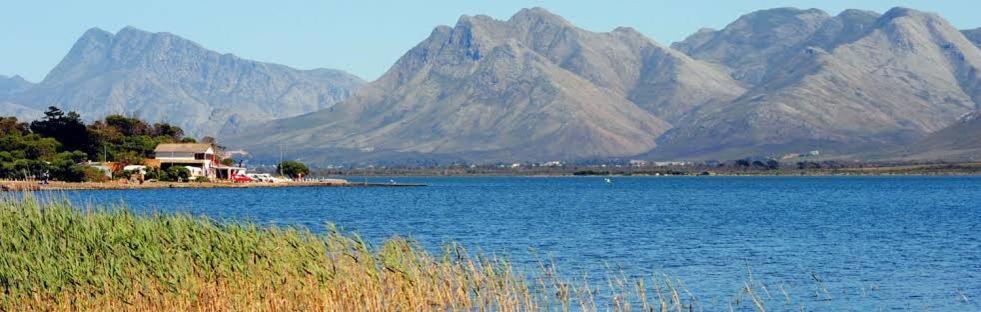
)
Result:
{"points": [[838, 243]]}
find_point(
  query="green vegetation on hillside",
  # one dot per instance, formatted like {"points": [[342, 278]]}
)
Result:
{"points": [[56, 145]]}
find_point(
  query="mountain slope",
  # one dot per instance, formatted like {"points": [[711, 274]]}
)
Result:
{"points": [[533, 87], [910, 74], [624, 61], [974, 35], [10, 87], [749, 45], [960, 141], [163, 77], [13, 85]]}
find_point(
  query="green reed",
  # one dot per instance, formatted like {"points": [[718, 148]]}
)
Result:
{"points": [[58, 256]]}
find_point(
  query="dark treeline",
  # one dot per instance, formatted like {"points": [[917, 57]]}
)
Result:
{"points": [[57, 145]]}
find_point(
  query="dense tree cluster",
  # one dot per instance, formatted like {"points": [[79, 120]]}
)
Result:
{"points": [[293, 169], [748, 164], [827, 164], [56, 145]]}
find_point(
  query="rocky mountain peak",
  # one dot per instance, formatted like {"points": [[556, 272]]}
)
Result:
{"points": [[910, 22], [538, 16], [12, 85], [898, 12], [748, 46], [471, 21], [128, 32], [164, 77], [631, 33], [845, 27], [849, 14], [95, 34], [13, 80], [777, 23]]}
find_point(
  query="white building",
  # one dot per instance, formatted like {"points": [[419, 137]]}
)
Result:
{"points": [[200, 157], [638, 163], [554, 163]]}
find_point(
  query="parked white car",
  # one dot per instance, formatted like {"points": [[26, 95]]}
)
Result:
{"points": [[265, 177]]}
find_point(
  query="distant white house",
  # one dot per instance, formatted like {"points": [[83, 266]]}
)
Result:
{"points": [[554, 163], [199, 158], [670, 163], [638, 163]]}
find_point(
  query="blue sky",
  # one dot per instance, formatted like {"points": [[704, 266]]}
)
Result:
{"points": [[362, 37]]}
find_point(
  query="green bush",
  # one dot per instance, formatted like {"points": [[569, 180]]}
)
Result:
{"points": [[175, 174], [94, 175], [293, 169]]}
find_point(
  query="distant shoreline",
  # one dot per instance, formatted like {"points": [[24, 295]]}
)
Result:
{"points": [[958, 169], [938, 169]]}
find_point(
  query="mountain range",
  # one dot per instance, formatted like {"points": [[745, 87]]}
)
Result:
{"points": [[163, 77], [535, 87], [858, 81], [530, 88]]}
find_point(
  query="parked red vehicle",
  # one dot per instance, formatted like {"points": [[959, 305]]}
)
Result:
{"points": [[241, 178]]}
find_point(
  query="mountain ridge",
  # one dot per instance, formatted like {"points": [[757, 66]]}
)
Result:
{"points": [[856, 82], [164, 77], [467, 91], [907, 76]]}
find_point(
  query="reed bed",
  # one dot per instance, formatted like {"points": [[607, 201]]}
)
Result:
{"points": [[58, 257]]}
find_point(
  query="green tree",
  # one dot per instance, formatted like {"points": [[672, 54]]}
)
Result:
{"points": [[293, 169], [31, 146], [29, 168], [129, 140], [128, 126], [174, 133], [67, 129]]}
